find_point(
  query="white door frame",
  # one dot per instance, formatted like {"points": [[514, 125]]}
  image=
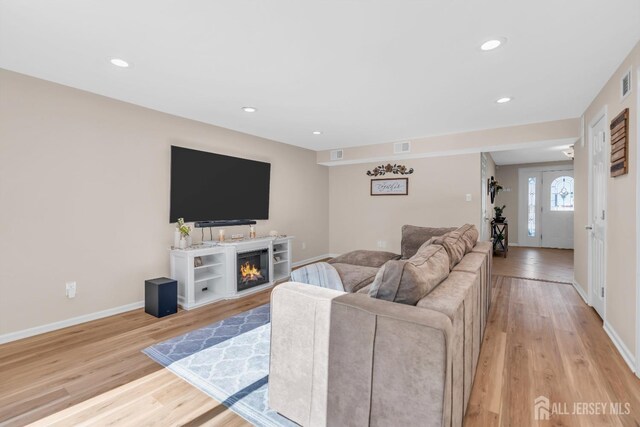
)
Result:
{"points": [[601, 115], [637, 118], [522, 197], [483, 196]]}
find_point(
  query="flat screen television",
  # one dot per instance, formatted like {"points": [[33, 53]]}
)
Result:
{"points": [[212, 187]]}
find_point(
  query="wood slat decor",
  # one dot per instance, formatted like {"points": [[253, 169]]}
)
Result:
{"points": [[620, 144]]}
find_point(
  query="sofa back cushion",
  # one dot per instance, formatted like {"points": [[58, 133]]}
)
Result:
{"points": [[365, 258], [408, 281], [413, 237], [455, 245], [470, 236]]}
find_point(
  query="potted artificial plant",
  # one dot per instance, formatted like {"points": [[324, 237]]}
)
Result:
{"points": [[498, 210]]}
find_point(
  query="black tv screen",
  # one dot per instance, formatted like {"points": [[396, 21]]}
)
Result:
{"points": [[212, 187]]}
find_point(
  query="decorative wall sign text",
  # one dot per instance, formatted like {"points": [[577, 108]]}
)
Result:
{"points": [[390, 187]]}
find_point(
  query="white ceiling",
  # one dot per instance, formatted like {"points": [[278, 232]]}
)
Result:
{"points": [[541, 153], [362, 72]]}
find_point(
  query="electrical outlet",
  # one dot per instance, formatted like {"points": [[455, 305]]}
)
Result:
{"points": [[382, 244], [70, 289], [468, 197], [304, 245]]}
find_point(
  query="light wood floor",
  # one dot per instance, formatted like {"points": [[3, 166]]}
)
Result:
{"points": [[552, 265], [541, 339]]}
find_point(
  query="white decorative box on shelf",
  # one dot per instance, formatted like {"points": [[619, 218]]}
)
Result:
{"points": [[214, 271]]}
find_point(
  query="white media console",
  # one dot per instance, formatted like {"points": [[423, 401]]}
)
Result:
{"points": [[209, 272]]}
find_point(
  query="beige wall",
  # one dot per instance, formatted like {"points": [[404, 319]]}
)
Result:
{"points": [[437, 191], [621, 210], [557, 132], [84, 196], [507, 175]]}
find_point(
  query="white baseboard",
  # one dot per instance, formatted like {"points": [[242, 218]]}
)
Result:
{"points": [[580, 291], [622, 348], [26, 333], [313, 259], [516, 244]]}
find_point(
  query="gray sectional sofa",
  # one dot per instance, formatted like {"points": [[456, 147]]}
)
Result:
{"points": [[400, 347]]}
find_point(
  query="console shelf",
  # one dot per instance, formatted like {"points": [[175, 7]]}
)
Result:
{"points": [[215, 276]]}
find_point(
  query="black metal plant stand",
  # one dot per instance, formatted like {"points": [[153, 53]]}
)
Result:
{"points": [[500, 235]]}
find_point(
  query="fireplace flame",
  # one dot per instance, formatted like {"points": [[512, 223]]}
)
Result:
{"points": [[250, 272]]}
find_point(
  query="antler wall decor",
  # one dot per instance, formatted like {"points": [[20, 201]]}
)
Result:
{"points": [[395, 169]]}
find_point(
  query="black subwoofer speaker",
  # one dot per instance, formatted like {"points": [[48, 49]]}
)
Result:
{"points": [[160, 296]]}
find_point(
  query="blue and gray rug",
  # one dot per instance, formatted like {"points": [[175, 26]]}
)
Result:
{"points": [[229, 361]]}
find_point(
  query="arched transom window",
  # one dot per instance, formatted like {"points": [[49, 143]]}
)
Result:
{"points": [[562, 194]]}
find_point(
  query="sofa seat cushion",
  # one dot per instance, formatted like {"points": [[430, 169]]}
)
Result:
{"points": [[407, 281], [413, 237], [365, 258], [355, 277]]}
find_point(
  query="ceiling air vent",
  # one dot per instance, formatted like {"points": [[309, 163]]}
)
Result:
{"points": [[625, 84], [337, 154], [401, 147]]}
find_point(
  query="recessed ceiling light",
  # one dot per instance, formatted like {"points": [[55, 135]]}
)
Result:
{"points": [[492, 44], [249, 109], [503, 100], [317, 132], [118, 62]]}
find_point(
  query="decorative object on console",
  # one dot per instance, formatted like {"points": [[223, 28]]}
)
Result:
{"points": [[493, 188], [273, 233], [221, 235], [395, 169], [252, 232], [185, 238], [620, 144], [390, 187], [499, 218], [197, 261]]}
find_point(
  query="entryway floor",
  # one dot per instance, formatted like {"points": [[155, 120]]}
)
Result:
{"points": [[549, 265]]}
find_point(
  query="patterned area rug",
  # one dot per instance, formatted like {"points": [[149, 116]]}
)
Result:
{"points": [[229, 361]]}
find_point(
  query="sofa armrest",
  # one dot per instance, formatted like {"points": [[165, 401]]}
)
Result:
{"points": [[346, 359], [300, 318]]}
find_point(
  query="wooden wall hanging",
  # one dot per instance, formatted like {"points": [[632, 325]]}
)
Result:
{"points": [[620, 144]]}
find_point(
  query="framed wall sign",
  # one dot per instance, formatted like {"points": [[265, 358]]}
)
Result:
{"points": [[390, 187]]}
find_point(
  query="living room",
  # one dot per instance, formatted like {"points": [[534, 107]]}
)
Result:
{"points": [[91, 106]]}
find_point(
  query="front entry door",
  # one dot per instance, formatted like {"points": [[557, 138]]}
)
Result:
{"points": [[557, 209]]}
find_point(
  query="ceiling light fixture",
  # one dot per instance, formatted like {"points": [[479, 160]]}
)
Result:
{"points": [[503, 100], [249, 109], [118, 62], [317, 132], [492, 44]]}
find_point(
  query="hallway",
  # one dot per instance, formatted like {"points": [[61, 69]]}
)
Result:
{"points": [[543, 342], [550, 265]]}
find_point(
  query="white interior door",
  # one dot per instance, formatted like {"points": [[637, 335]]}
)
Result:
{"points": [[556, 214], [598, 202]]}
